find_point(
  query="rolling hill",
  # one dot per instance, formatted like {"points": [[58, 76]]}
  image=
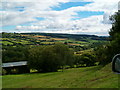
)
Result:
{"points": [[88, 77]]}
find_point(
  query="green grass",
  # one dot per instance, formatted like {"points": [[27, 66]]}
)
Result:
{"points": [[10, 41], [6, 42], [47, 42], [81, 42], [89, 77]]}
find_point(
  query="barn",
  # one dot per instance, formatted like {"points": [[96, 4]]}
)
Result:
{"points": [[15, 67]]}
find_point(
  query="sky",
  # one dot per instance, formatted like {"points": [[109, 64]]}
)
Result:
{"points": [[57, 16]]}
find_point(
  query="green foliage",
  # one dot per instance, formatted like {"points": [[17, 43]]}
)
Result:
{"points": [[78, 61], [10, 54], [115, 25], [49, 58], [106, 52], [86, 58], [9, 35], [89, 59], [115, 32]]}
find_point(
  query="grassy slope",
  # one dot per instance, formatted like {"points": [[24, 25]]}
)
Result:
{"points": [[89, 77]]}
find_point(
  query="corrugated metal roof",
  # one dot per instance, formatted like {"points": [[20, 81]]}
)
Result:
{"points": [[12, 64]]}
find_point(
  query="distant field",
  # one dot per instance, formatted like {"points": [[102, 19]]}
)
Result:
{"points": [[47, 42], [85, 41], [43, 39], [39, 36], [74, 44], [88, 77], [59, 39], [6, 43], [25, 35]]}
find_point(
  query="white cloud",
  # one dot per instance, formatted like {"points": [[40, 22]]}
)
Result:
{"points": [[57, 21], [15, 18], [91, 25], [32, 9]]}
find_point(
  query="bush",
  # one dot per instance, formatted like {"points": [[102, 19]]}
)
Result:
{"points": [[86, 58]]}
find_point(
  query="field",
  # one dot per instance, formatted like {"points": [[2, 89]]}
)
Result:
{"points": [[75, 42], [88, 77]]}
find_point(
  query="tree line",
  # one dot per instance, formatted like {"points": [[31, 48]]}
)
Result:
{"points": [[48, 58]]}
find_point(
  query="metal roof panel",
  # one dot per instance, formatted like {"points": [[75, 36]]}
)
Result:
{"points": [[12, 64]]}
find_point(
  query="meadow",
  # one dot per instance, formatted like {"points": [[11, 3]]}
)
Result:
{"points": [[87, 77]]}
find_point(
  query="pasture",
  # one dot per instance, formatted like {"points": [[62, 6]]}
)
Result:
{"points": [[87, 77]]}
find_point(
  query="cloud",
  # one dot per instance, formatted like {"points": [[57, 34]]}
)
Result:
{"points": [[38, 8], [91, 25], [57, 21]]}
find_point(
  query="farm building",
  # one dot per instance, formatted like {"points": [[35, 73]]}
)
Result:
{"points": [[15, 67]]}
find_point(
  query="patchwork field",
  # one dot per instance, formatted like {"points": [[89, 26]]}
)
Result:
{"points": [[76, 42]]}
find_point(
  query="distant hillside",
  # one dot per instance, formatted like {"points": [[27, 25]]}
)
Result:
{"points": [[81, 37], [77, 42]]}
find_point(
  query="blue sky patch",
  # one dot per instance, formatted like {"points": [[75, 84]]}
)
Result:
{"points": [[9, 27], [20, 9], [39, 18], [69, 5], [85, 14]]}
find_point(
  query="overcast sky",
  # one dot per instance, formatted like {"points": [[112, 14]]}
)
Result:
{"points": [[57, 16]]}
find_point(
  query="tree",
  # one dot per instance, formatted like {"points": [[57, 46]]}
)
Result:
{"points": [[65, 55], [115, 33], [34, 57], [49, 58], [115, 30], [78, 61], [50, 61], [12, 54], [88, 59], [105, 53]]}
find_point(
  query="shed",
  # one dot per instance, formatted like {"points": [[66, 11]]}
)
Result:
{"points": [[16, 67]]}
